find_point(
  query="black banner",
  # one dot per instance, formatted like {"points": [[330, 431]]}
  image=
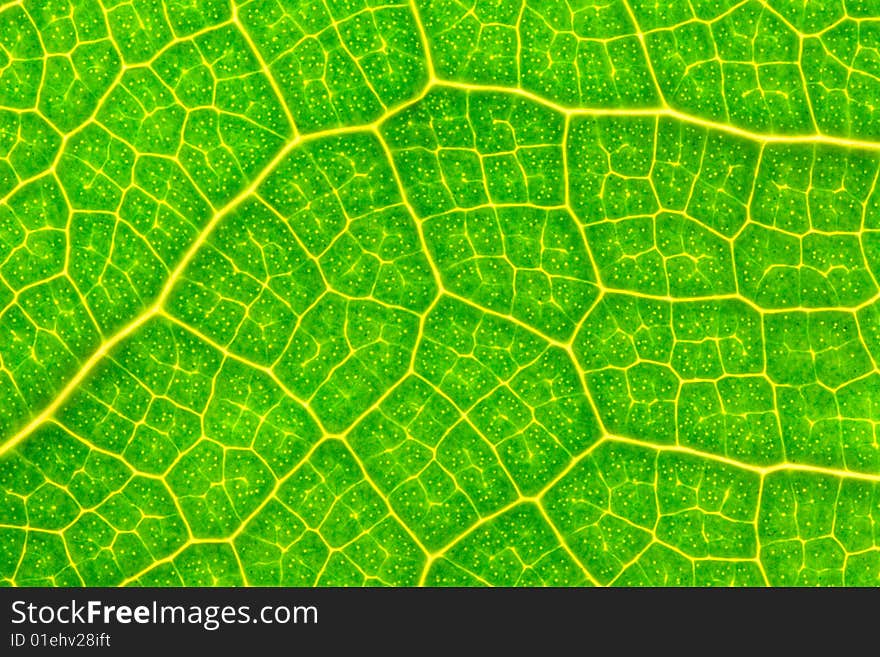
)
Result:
{"points": [[430, 621]]}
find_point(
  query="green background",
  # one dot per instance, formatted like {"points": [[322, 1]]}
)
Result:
{"points": [[439, 292]]}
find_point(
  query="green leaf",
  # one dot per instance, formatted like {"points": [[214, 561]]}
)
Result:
{"points": [[439, 292]]}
